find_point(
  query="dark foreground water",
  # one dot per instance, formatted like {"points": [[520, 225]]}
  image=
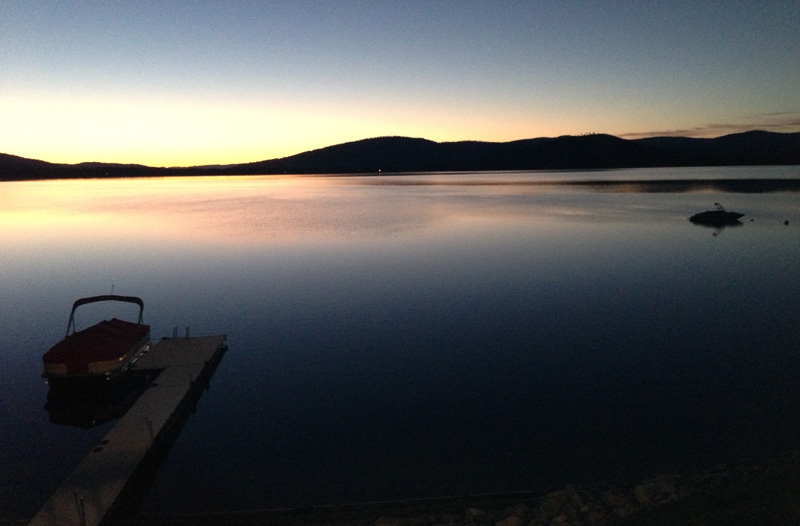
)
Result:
{"points": [[416, 336]]}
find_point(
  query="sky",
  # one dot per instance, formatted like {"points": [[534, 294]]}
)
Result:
{"points": [[192, 83]]}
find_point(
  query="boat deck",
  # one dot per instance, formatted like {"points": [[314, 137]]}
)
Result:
{"points": [[90, 492], [107, 341]]}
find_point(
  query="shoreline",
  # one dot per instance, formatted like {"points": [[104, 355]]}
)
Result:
{"points": [[765, 490]]}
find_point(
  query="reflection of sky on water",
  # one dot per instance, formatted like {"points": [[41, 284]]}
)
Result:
{"points": [[396, 340]]}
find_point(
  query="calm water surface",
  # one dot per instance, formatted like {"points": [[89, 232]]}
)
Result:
{"points": [[414, 336]]}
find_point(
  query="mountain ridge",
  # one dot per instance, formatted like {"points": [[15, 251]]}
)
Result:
{"points": [[394, 154]]}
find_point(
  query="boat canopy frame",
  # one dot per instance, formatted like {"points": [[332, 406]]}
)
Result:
{"points": [[105, 297]]}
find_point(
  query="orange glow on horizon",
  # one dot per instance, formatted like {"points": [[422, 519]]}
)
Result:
{"points": [[195, 132], [163, 210]]}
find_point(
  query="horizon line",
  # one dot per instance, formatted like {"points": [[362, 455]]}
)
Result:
{"points": [[625, 137]]}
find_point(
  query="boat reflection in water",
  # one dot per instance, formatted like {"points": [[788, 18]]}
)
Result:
{"points": [[91, 372], [88, 405]]}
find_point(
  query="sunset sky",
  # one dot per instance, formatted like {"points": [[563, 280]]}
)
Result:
{"points": [[196, 82]]}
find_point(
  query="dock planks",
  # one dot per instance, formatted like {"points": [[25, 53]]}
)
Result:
{"points": [[90, 492]]}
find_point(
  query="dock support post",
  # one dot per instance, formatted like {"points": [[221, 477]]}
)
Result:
{"points": [[81, 507]]}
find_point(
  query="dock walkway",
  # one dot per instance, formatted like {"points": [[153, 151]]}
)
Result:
{"points": [[90, 492]]}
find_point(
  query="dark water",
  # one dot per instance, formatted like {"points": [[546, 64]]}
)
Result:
{"points": [[415, 336]]}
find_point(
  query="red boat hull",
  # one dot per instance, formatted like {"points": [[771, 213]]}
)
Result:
{"points": [[102, 350]]}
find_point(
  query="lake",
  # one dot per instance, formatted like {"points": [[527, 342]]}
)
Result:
{"points": [[416, 335]]}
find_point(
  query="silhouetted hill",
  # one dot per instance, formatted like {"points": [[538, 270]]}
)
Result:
{"points": [[403, 154], [748, 148], [20, 168]]}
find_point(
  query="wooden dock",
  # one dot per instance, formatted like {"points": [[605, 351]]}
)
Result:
{"points": [[91, 491]]}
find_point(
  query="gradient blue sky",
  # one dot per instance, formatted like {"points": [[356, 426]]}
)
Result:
{"points": [[184, 83]]}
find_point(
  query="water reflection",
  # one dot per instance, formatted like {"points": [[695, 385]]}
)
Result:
{"points": [[405, 340], [247, 210], [719, 227], [90, 405]]}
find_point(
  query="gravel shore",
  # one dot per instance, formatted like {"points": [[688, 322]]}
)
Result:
{"points": [[747, 492]]}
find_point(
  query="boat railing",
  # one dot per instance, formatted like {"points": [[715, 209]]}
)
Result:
{"points": [[105, 297]]}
